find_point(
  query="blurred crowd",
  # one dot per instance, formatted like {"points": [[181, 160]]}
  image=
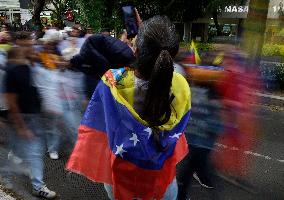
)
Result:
{"points": [[42, 95], [47, 82], [44, 92]]}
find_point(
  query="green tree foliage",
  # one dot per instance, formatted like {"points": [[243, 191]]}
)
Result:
{"points": [[91, 13], [60, 6], [59, 9], [176, 10], [100, 14], [107, 14]]}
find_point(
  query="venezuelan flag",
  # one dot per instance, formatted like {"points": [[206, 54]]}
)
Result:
{"points": [[193, 55], [115, 146]]}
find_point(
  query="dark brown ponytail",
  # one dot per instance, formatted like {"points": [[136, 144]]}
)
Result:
{"points": [[157, 110], [157, 44]]}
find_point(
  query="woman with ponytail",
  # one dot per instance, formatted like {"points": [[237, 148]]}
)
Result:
{"points": [[131, 136]]}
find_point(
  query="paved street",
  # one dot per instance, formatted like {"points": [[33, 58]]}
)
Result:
{"points": [[266, 180], [4, 195], [267, 174]]}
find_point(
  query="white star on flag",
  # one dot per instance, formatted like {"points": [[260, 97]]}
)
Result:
{"points": [[149, 131], [176, 135], [120, 150], [119, 72], [134, 138]]}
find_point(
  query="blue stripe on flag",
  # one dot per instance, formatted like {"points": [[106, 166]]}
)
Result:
{"points": [[128, 138]]}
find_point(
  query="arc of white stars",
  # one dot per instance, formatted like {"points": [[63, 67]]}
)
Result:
{"points": [[120, 150], [149, 131], [176, 135], [134, 138]]}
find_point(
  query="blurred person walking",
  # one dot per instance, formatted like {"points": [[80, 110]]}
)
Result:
{"points": [[135, 121], [50, 55], [202, 132], [5, 46], [71, 50], [89, 32], [78, 36], [3, 106], [24, 106], [240, 80], [72, 94], [129, 42], [24, 41], [98, 53], [4, 28], [48, 81]]}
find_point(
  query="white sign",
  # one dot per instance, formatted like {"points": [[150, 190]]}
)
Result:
{"points": [[26, 15], [245, 9], [236, 9]]}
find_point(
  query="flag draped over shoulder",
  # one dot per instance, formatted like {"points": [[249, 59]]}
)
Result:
{"points": [[115, 146]]}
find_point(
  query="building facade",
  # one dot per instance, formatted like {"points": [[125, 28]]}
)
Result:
{"points": [[230, 19], [16, 13], [10, 11]]}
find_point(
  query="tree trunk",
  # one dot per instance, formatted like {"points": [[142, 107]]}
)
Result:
{"points": [[281, 21], [215, 18], [38, 6], [187, 32], [281, 15], [254, 30], [240, 28]]}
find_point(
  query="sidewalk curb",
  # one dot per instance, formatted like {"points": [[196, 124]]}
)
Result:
{"points": [[270, 99]]}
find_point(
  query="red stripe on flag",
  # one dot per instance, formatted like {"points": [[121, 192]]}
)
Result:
{"points": [[132, 181], [93, 158]]}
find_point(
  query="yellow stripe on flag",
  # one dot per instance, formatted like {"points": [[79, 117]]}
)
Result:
{"points": [[123, 92]]}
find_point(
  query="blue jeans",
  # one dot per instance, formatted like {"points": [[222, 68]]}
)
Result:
{"points": [[52, 132], [171, 193], [32, 151], [72, 117]]}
